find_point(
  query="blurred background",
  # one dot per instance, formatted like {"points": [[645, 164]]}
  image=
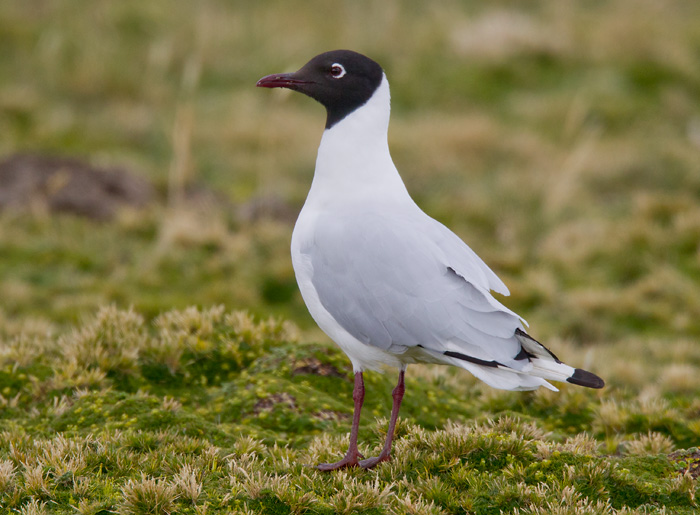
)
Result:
{"points": [[139, 165]]}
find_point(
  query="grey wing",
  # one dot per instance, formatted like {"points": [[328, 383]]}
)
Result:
{"points": [[466, 262], [395, 283]]}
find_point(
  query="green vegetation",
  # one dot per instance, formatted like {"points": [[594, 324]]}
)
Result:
{"points": [[208, 411], [560, 139]]}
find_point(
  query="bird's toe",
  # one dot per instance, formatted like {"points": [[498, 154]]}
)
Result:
{"points": [[373, 462], [347, 461]]}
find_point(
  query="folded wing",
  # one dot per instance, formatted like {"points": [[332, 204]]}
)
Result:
{"points": [[410, 286]]}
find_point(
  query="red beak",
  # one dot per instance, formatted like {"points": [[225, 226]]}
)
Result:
{"points": [[280, 80]]}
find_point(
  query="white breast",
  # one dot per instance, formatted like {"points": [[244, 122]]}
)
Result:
{"points": [[362, 356]]}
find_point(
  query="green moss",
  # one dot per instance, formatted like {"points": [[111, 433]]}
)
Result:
{"points": [[269, 504]]}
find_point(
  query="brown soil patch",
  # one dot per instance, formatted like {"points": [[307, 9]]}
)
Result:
{"points": [[331, 415], [60, 184], [267, 207], [269, 402], [690, 460], [316, 367]]}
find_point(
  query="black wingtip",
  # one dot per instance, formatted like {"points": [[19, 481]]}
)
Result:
{"points": [[584, 378]]}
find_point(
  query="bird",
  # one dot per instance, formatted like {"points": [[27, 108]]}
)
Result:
{"points": [[390, 285]]}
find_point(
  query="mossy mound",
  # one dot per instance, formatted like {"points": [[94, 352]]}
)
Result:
{"points": [[205, 410]]}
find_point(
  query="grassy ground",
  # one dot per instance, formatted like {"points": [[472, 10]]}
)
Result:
{"points": [[560, 139], [209, 411]]}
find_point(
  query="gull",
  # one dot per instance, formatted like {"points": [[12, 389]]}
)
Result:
{"points": [[387, 283]]}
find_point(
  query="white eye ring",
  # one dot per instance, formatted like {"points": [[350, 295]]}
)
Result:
{"points": [[337, 70]]}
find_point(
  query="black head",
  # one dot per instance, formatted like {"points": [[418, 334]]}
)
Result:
{"points": [[341, 80]]}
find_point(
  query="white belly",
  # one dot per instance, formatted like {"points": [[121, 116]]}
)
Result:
{"points": [[361, 355]]}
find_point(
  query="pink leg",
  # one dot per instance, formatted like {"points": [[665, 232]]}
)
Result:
{"points": [[351, 459], [397, 395]]}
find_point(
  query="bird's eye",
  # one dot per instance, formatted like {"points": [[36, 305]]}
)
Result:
{"points": [[337, 70]]}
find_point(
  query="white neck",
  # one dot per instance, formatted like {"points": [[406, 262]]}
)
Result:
{"points": [[353, 158]]}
